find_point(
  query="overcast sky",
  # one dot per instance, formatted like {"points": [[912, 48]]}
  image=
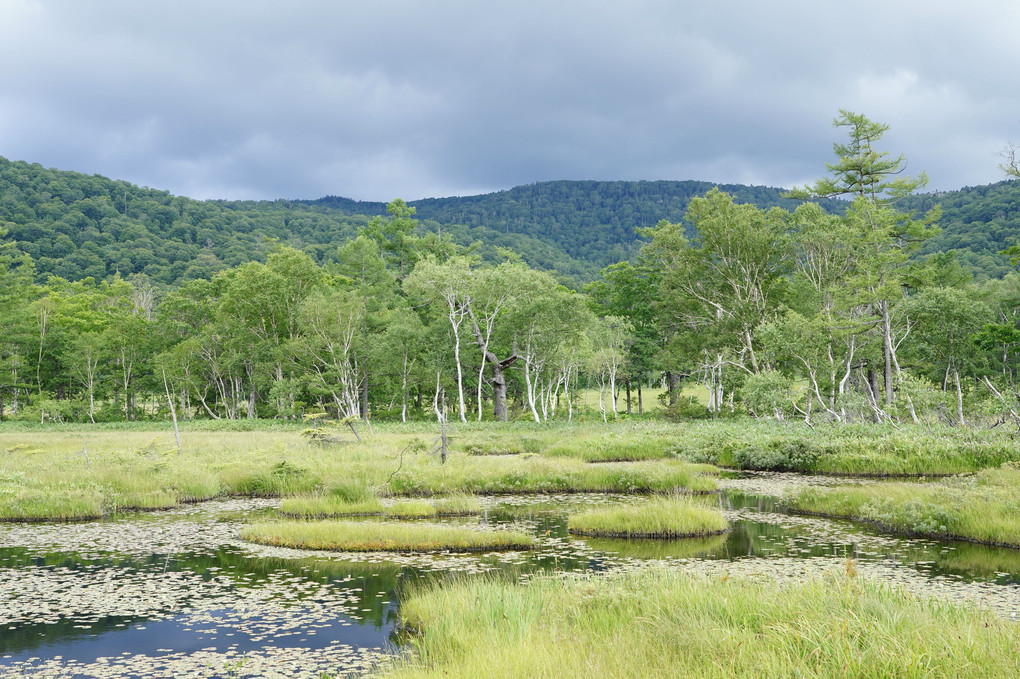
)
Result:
{"points": [[378, 99]]}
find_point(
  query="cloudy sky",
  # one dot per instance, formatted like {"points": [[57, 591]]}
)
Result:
{"points": [[384, 98]]}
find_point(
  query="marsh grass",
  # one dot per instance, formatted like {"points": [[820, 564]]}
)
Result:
{"points": [[134, 467], [671, 516], [458, 505], [662, 623], [137, 468], [347, 536], [849, 450], [983, 508], [67, 504], [489, 476], [506, 443], [411, 509], [360, 501], [323, 506], [613, 448]]}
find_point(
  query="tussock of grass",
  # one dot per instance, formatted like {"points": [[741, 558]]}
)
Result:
{"points": [[662, 517], [984, 508], [321, 506], [411, 509], [347, 536], [458, 505], [654, 623]]}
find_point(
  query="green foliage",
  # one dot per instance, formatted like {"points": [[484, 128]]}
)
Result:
{"points": [[687, 409], [778, 455], [767, 394]]}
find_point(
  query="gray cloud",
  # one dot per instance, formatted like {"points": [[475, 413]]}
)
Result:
{"points": [[375, 100]]}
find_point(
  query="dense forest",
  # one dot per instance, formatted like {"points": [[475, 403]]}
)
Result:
{"points": [[116, 301], [77, 226]]}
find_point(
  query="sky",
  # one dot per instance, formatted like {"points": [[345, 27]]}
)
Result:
{"points": [[379, 99]]}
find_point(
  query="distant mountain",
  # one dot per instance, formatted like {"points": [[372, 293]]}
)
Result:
{"points": [[76, 225], [595, 222], [977, 222]]}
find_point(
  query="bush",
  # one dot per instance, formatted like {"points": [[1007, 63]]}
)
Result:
{"points": [[778, 455], [766, 394], [684, 410]]}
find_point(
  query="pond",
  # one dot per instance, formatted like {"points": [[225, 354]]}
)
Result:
{"points": [[178, 594]]}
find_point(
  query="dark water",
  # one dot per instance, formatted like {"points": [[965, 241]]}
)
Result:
{"points": [[232, 604]]}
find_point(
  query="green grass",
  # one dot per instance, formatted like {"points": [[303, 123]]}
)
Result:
{"points": [[321, 506], [411, 509], [504, 443], [489, 476], [458, 505], [984, 508], [662, 623], [661, 517], [849, 450], [67, 504], [347, 536], [618, 448], [133, 468], [42, 467]]}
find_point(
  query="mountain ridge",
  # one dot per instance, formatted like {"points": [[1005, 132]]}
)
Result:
{"points": [[76, 225]]}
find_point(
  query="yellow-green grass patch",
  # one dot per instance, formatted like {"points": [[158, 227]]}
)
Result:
{"points": [[322, 506], [349, 536], [983, 508], [660, 517]]}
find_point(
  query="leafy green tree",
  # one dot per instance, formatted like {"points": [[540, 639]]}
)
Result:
{"points": [[883, 237], [726, 280], [945, 321]]}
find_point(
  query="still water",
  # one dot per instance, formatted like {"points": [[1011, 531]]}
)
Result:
{"points": [[178, 594]]}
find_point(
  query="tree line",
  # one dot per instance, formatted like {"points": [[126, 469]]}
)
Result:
{"points": [[399, 324], [777, 312]]}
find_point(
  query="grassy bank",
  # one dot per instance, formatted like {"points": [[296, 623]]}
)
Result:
{"points": [[862, 449], [347, 536], [850, 450], [983, 508], [661, 517], [666, 624]]}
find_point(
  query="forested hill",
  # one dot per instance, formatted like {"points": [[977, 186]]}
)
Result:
{"points": [[76, 225], [593, 221], [977, 222]]}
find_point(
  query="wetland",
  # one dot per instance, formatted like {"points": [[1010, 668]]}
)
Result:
{"points": [[183, 592]]}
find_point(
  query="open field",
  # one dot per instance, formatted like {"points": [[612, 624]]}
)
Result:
{"points": [[78, 472], [661, 623], [85, 473]]}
